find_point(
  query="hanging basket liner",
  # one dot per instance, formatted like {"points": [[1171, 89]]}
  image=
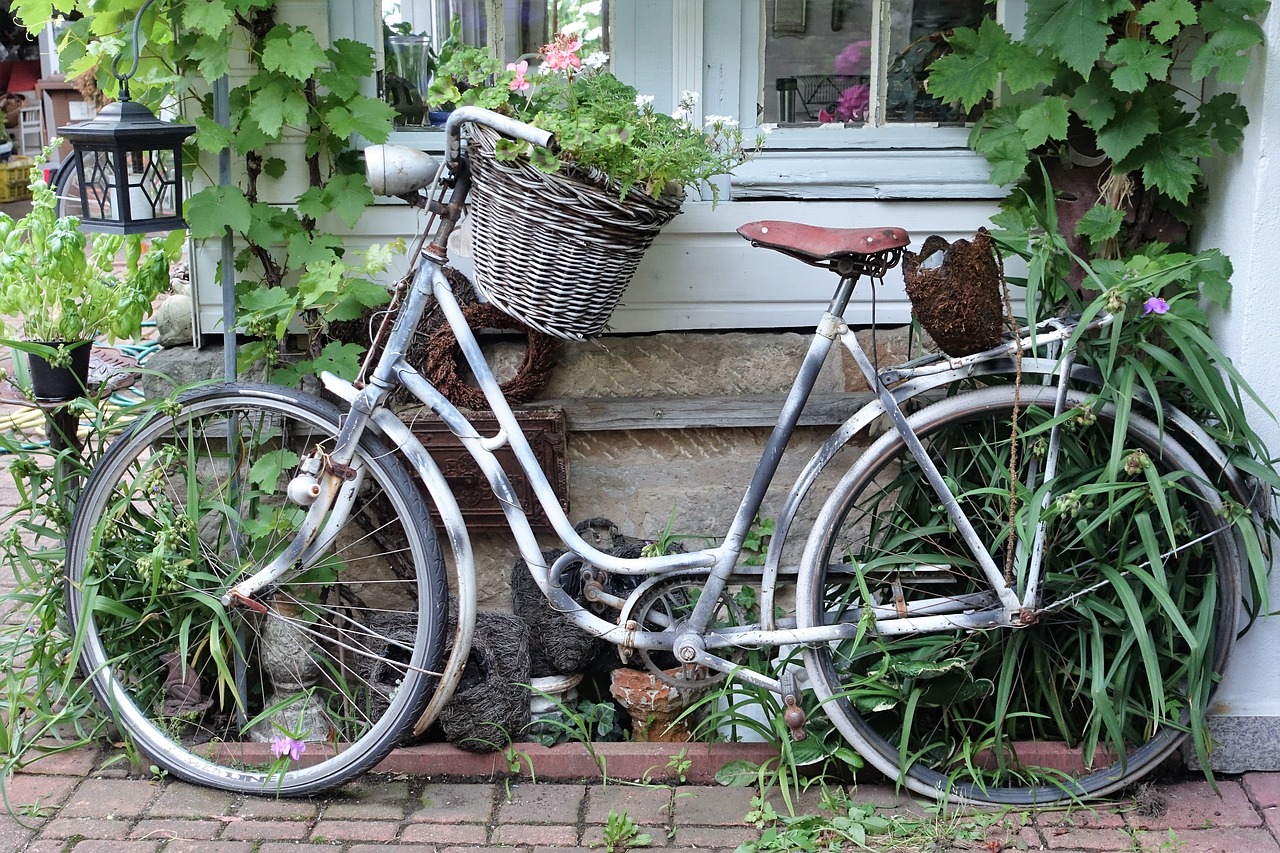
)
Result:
{"points": [[957, 302], [556, 251]]}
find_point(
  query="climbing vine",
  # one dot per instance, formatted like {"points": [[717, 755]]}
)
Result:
{"points": [[295, 106]]}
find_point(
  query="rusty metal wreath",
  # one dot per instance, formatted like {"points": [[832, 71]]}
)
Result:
{"points": [[444, 354]]}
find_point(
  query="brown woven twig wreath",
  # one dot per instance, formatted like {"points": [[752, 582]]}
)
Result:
{"points": [[443, 355]]}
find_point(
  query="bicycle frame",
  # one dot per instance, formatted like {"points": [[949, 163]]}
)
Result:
{"points": [[692, 642]]}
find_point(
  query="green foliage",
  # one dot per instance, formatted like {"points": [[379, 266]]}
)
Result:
{"points": [[45, 706], [844, 825], [1105, 66], [622, 833], [301, 101], [63, 283], [599, 122]]}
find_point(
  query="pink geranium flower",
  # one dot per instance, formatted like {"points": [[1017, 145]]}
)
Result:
{"points": [[562, 53], [521, 83], [853, 102]]}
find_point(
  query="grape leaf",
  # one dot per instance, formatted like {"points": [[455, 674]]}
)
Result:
{"points": [[1217, 14], [278, 104], [210, 17], [348, 196], [369, 117], [215, 208], [1166, 18], [211, 55], [212, 137], [1136, 61], [1101, 222], [972, 70], [1223, 118], [1227, 53], [1132, 124], [999, 139], [1171, 161], [1076, 31], [297, 55], [1044, 120], [1093, 101]]}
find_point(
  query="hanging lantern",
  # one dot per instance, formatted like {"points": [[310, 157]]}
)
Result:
{"points": [[129, 163]]}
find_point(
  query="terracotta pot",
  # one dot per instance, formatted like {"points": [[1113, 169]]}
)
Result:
{"points": [[654, 705]]}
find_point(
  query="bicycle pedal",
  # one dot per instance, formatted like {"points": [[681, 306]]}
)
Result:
{"points": [[793, 715]]}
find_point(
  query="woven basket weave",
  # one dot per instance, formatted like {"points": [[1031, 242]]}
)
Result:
{"points": [[556, 251]]}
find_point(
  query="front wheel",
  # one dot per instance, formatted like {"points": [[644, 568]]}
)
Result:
{"points": [[321, 684], [1134, 620]]}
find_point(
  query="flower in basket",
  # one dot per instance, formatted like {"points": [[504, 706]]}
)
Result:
{"points": [[599, 122], [64, 284]]}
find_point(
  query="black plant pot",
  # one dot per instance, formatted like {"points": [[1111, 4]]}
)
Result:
{"points": [[54, 384]]}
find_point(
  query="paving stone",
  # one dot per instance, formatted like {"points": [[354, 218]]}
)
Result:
{"points": [[1088, 839], [178, 799], [209, 847], [355, 830], [47, 846], [170, 829], [264, 809], [445, 834], [701, 837], [369, 801], [14, 835], [643, 805], [1194, 805], [100, 846], [72, 762], [542, 804], [393, 848], [113, 798], [294, 847], [512, 834], [443, 802], [267, 830], [712, 806], [85, 827], [1083, 817], [1225, 840], [38, 792]]}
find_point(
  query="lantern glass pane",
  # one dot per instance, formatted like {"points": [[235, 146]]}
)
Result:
{"points": [[98, 185]]}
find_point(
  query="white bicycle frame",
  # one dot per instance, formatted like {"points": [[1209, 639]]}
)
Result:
{"points": [[693, 642]]}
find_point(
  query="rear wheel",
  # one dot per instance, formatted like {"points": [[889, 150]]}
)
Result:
{"points": [[321, 684], [1135, 617]]}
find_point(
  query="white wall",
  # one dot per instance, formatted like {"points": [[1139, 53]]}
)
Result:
{"points": [[1244, 221]]}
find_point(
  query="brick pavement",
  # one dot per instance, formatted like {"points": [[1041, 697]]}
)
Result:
{"points": [[87, 802]]}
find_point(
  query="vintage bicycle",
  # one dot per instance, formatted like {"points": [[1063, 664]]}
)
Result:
{"points": [[252, 564]]}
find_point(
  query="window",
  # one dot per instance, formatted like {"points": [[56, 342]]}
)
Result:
{"points": [[414, 31], [860, 62]]}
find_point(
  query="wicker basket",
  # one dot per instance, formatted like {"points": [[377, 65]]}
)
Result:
{"points": [[556, 251]]}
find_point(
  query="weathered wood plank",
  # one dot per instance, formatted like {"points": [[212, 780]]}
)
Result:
{"points": [[629, 413]]}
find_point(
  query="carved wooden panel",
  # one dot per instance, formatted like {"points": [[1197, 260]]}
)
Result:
{"points": [[545, 429]]}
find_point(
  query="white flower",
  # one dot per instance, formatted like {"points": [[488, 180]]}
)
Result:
{"points": [[681, 113], [721, 121], [768, 127], [688, 99], [597, 60], [643, 101]]}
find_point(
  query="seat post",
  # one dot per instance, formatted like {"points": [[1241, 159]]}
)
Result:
{"points": [[844, 292]]}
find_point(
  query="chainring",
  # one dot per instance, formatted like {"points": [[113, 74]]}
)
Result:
{"points": [[665, 606]]}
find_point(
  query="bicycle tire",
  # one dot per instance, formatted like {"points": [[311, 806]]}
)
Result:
{"points": [[1061, 709], [190, 500]]}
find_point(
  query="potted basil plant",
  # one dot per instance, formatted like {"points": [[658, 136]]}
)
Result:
{"points": [[68, 288]]}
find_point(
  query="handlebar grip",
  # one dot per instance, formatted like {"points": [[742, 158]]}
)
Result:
{"points": [[509, 127]]}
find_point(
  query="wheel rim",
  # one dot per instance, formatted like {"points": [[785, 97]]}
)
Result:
{"points": [[328, 676], [1050, 683]]}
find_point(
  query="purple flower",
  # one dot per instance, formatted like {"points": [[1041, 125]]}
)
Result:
{"points": [[1155, 305], [282, 745], [853, 102]]}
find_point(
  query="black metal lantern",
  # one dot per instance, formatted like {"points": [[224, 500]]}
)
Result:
{"points": [[129, 163]]}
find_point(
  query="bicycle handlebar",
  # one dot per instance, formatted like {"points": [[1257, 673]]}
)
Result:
{"points": [[509, 127]]}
